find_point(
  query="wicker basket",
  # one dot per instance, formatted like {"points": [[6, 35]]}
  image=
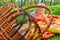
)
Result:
{"points": [[8, 17]]}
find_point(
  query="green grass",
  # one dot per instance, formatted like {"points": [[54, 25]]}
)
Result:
{"points": [[55, 10], [55, 37]]}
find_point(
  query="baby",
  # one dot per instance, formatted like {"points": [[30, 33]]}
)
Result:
{"points": [[39, 13]]}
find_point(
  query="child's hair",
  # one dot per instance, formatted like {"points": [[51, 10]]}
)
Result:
{"points": [[40, 4]]}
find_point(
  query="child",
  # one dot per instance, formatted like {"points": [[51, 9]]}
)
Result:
{"points": [[39, 14]]}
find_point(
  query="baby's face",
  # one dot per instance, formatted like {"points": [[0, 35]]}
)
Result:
{"points": [[40, 10]]}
